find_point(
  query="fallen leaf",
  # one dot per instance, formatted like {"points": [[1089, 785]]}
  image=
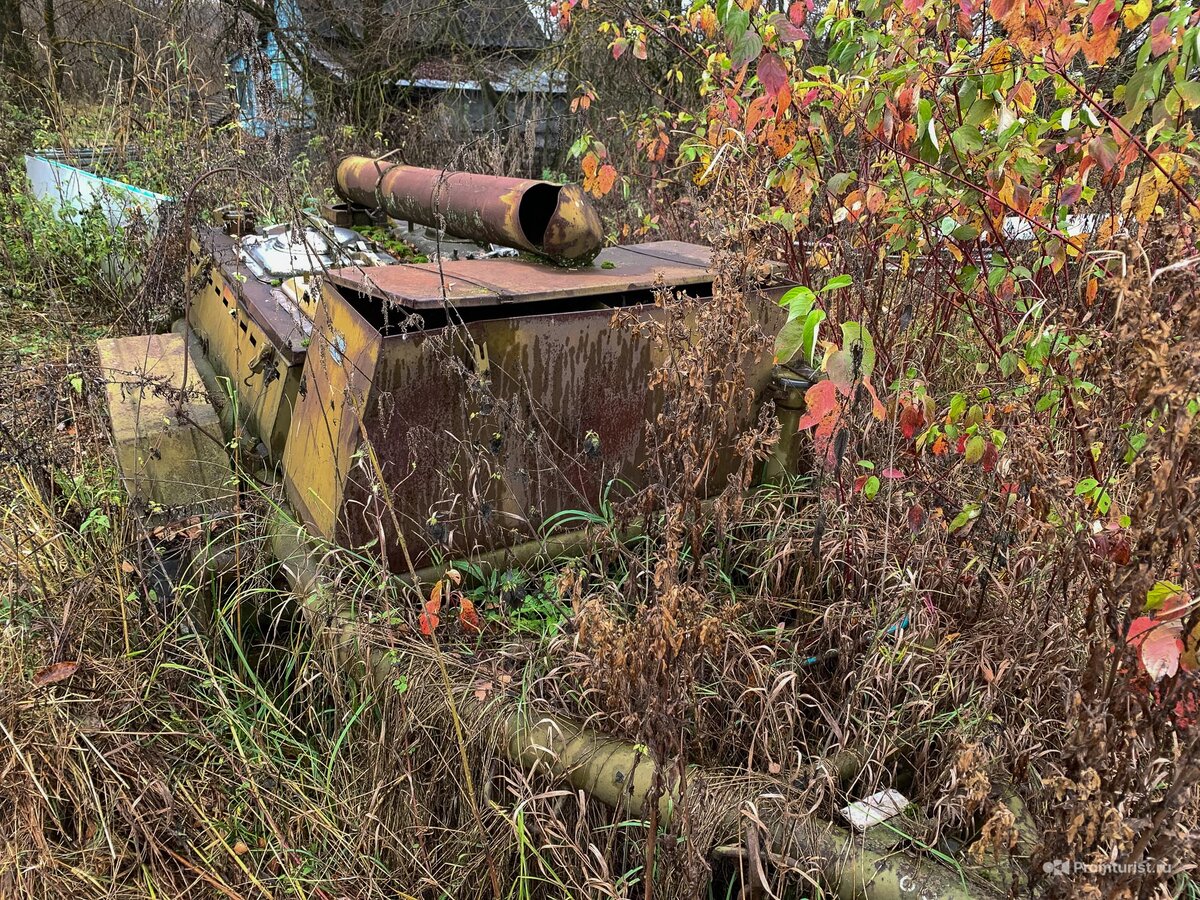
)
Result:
{"points": [[240, 848], [52, 674]]}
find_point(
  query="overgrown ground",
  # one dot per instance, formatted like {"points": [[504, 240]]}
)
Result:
{"points": [[944, 605]]}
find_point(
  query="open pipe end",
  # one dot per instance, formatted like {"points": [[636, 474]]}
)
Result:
{"points": [[562, 223]]}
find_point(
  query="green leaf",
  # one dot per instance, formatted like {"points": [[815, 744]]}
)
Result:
{"points": [[871, 488], [980, 112], [974, 449], [967, 139], [1086, 486], [812, 325], [1189, 91], [969, 514], [854, 336], [789, 341], [837, 283], [1160, 593], [838, 183], [958, 406], [798, 336], [798, 300], [747, 48]]}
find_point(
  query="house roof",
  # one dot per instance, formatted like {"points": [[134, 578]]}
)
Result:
{"points": [[442, 74]]}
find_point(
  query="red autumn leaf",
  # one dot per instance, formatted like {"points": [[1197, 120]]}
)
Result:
{"points": [[772, 73], [1175, 606], [620, 45], [990, 457], [1103, 16], [912, 7], [1186, 710], [429, 618], [606, 178], [822, 411], [1160, 652], [1071, 194], [916, 517], [755, 113], [1160, 35], [894, 474], [52, 674], [788, 31], [468, 618], [1158, 643], [911, 421], [799, 11], [639, 48], [860, 482], [1104, 150]]}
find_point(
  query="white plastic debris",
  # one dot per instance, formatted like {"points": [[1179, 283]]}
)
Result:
{"points": [[862, 814]]}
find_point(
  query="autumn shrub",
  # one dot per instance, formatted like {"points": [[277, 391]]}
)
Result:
{"points": [[986, 588]]}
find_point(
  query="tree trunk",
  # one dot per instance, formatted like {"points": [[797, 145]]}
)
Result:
{"points": [[14, 50], [50, 20]]}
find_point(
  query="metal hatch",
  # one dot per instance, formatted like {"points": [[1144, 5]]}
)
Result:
{"points": [[494, 282]]}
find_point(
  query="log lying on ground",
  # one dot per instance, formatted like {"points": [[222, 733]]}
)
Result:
{"points": [[621, 775]]}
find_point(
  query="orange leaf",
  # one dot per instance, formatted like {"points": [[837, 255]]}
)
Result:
{"points": [[427, 622], [468, 618], [52, 674], [435, 598], [605, 180]]}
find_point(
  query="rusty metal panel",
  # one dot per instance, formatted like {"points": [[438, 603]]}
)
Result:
{"points": [[325, 431], [482, 430], [284, 323], [487, 282], [238, 321]]}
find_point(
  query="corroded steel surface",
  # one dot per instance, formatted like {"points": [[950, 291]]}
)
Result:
{"points": [[253, 334], [480, 430], [484, 282], [263, 301], [556, 221]]}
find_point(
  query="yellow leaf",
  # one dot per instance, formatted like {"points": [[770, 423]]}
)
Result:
{"points": [[1134, 14]]}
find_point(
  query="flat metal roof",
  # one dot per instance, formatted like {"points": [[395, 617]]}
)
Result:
{"points": [[491, 282]]}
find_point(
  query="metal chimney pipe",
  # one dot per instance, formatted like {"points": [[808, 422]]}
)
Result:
{"points": [[553, 220]]}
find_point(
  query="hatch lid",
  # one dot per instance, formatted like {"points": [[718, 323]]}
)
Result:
{"points": [[492, 282]]}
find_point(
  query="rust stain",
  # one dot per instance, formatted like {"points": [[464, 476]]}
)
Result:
{"points": [[475, 458]]}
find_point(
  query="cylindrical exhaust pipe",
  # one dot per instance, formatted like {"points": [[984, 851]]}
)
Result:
{"points": [[553, 220]]}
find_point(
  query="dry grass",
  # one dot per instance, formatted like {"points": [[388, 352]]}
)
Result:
{"points": [[753, 637]]}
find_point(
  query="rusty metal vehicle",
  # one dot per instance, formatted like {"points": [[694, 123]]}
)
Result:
{"points": [[443, 408]]}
